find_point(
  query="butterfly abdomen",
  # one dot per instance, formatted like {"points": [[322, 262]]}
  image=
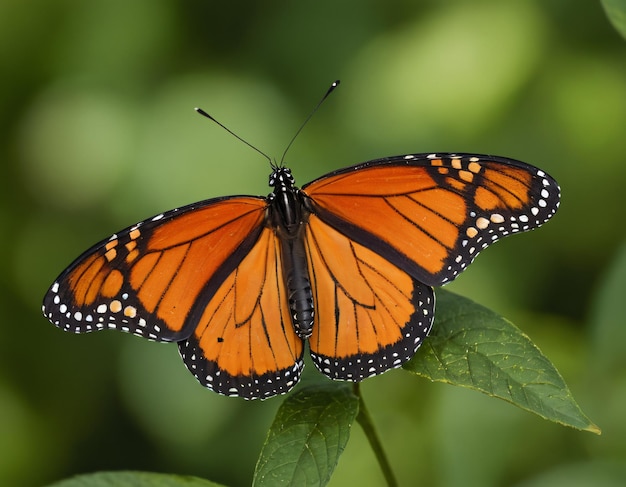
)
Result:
{"points": [[295, 271]]}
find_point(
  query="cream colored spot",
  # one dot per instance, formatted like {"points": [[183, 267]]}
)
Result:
{"points": [[115, 306], [456, 163], [497, 218], [130, 311], [482, 223], [471, 232]]}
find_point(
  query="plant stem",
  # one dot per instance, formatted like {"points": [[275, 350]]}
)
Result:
{"points": [[365, 420]]}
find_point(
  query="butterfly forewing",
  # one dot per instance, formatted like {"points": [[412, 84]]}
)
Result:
{"points": [[431, 214], [148, 278]]}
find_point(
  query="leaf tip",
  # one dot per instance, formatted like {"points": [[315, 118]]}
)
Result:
{"points": [[595, 429]]}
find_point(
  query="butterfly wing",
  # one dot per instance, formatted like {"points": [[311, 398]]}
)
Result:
{"points": [[431, 214], [245, 344], [154, 279], [370, 316]]}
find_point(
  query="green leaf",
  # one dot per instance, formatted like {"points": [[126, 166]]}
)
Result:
{"points": [[616, 12], [309, 433], [471, 346], [133, 479]]}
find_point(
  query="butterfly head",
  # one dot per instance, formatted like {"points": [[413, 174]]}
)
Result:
{"points": [[281, 178]]}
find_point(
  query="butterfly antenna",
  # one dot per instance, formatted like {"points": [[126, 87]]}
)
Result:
{"points": [[205, 114], [328, 92]]}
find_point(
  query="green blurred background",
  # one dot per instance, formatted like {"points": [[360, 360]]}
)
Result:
{"points": [[98, 132]]}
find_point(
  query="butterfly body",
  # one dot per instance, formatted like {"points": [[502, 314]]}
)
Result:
{"points": [[346, 263], [288, 216]]}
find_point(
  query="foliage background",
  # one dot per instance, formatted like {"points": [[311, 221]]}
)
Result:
{"points": [[98, 132]]}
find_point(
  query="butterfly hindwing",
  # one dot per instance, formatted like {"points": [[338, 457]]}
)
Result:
{"points": [[244, 343], [370, 316], [431, 214], [149, 278]]}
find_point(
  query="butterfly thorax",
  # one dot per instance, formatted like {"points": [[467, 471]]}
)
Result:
{"points": [[287, 216]]}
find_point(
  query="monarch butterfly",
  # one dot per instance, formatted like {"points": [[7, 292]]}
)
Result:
{"points": [[347, 262]]}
